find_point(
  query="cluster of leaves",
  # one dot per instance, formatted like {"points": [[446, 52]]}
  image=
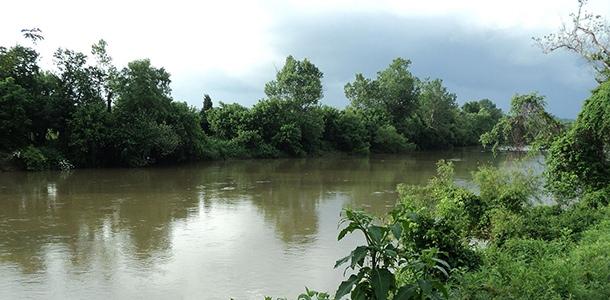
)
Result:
{"points": [[526, 124], [387, 267], [552, 253], [579, 161], [88, 113], [399, 107]]}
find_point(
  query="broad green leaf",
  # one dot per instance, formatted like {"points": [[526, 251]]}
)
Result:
{"points": [[344, 260], [358, 255], [390, 253], [442, 262], [376, 233], [346, 230], [345, 287], [381, 281]]}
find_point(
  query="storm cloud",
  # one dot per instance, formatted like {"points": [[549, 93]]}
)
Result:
{"points": [[474, 63]]}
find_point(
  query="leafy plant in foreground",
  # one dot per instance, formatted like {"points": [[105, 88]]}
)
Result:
{"points": [[377, 263]]}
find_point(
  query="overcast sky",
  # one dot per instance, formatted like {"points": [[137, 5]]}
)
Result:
{"points": [[229, 49]]}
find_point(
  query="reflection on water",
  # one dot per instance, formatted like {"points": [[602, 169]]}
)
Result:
{"points": [[213, 230]]}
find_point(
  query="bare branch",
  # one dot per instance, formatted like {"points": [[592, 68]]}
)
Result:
{"points": [[588, 35]]}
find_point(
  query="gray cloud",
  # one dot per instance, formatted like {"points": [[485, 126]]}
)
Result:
{"points": [[474, 63]]}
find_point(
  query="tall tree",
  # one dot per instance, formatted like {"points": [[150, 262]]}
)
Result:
{"points": [[299, 82], [203, 114], [143, 89], [393, 93], [14, 120], [527, 123], [437, 111], [107, 71]]}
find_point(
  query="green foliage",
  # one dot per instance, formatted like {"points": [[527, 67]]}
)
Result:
{"points": [[507, 189], [388, 140], [14, 121], [423, 111], [393, 92], [288, 139], [526, 124], [227, 119], [526, 268], [313, 295], [385, 255], [207, 105], [390, 98], [33, 159], [441, 215], [345, 130], [89, 129], [298, 82], [96, 114], [141, 141], [185, 123], [143, 90], [437, 111], [475, 119], [579, 161]]}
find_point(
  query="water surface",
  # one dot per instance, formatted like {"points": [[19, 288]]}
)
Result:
{"points": [[213, 230]]}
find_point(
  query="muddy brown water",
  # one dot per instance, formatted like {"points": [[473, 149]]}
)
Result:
{"points": [[213, 230]]}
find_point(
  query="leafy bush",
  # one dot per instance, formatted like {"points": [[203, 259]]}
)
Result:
{"points": [[385, 255], [388, 140], [578, 162], [33, 159], [537, 269], [288, 139]]}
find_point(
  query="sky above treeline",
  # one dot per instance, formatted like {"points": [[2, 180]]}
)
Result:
{"points": [[229, 49]]}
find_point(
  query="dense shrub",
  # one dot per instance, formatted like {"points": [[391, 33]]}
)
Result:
{"points": [[388, 140], [33, 159]]}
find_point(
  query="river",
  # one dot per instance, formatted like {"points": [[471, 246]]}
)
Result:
{"points": [[237, 229]]}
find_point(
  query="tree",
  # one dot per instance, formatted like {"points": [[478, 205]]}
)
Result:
{"points": [[345, 130], [207, 105], [579, 161], [142, 134], [227, 119], [20, 63], [107, 71], [399, 89], [475, 119], [14, 121], [588, 35], [143, 89], [437, 111], [527, 123], [394, 92], [185, 122], [298, 82], [207, 102], [33, 34], [89, 140]]}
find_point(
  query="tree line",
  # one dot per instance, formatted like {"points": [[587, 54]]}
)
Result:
{"points": [[87, 112]]}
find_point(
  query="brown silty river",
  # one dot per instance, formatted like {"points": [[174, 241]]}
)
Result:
{"points": [[216, 230]]}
